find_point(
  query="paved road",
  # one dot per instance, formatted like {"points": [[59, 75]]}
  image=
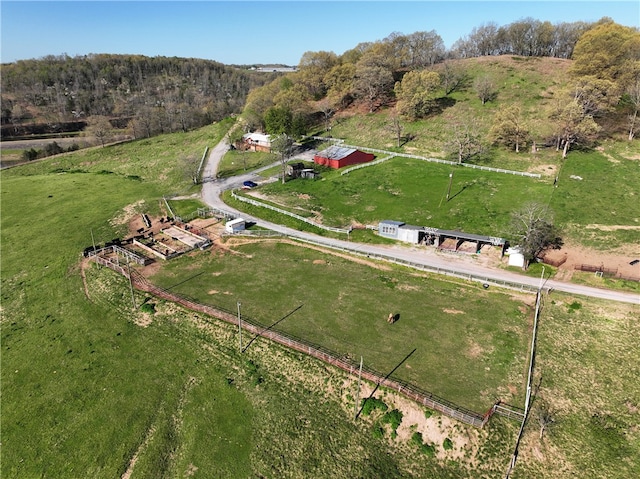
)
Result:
{"points": [[212, 189]]}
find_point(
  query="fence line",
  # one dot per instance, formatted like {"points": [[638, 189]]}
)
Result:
{"points": [[365, 165], [431, 160], [408, 390], [253, 202], [204, 156], [423, 267], [168, 207]]}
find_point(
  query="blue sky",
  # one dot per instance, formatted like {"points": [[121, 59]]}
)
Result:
{"points": [[244, 32]]}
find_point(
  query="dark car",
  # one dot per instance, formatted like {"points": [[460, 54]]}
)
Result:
{"points": [[250, 184]]}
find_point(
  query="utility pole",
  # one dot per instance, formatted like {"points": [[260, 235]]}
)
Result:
{"points": [[449, 188], [355, 406], [239, 328]]}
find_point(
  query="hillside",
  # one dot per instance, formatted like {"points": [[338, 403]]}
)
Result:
{"points": [[162, 94]]}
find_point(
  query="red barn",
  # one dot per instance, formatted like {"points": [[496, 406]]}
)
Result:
{"points": [[339, 156]]}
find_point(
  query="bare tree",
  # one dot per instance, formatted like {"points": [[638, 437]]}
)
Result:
{"points": [[100, 128], [632, 98], [509, 128], [191, 167], [452, 77], [396, 127], [327, 111], [464, 141], [373, 84], [282, 145], [545, 418], [485, 89]]}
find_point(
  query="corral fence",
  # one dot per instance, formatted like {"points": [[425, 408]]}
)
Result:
{"points": [[118, 250], [596, 269], [253, 202], [555, 262], [602, 271], [216, 212], [431, 160], [410, 391]]}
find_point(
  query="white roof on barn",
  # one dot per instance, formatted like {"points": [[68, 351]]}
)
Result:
{"points": [[336, 152], [257, 138]]}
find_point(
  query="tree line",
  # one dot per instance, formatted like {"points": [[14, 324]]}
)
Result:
{"points": [[414, 76], [152, 94]]}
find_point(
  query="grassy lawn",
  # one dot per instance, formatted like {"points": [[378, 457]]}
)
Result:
{"points": [[165, 163], [588, 369], [481, 202], [471, 343], [586, 201], [237, 162], [86, 386], [412, 191]]}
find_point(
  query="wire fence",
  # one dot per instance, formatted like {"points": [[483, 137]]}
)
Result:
{"points": [[408, 390]]}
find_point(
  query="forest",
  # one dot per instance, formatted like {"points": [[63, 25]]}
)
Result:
{"points": [[412, 75], [148, 96]]}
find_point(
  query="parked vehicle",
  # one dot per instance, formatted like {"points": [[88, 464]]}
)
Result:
{"points": [[250, 184]]}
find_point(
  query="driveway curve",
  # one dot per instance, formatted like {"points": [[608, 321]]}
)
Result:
{"points": [[212, 189]]}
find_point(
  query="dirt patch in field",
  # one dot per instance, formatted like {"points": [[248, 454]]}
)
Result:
{"points": [[143, 319], [453, 311], [127, 213], [545, 170], [574, 255]]}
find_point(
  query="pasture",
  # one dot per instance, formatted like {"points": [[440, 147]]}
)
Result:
{"points": [[414, 191], [89, 384], [471, 343]]}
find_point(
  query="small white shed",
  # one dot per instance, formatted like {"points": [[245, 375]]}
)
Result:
{"points": [[234, 226], [516, 258]]}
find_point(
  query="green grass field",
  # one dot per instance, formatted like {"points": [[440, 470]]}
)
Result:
{"points": [[344, 306], [88, 384], [414, 191]]}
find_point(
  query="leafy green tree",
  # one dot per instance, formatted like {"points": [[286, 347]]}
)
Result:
{"points": [[416, 93], [596, 96], [609, 52], [278, 120], [509, 128], [340, 84], [313, 68]]}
